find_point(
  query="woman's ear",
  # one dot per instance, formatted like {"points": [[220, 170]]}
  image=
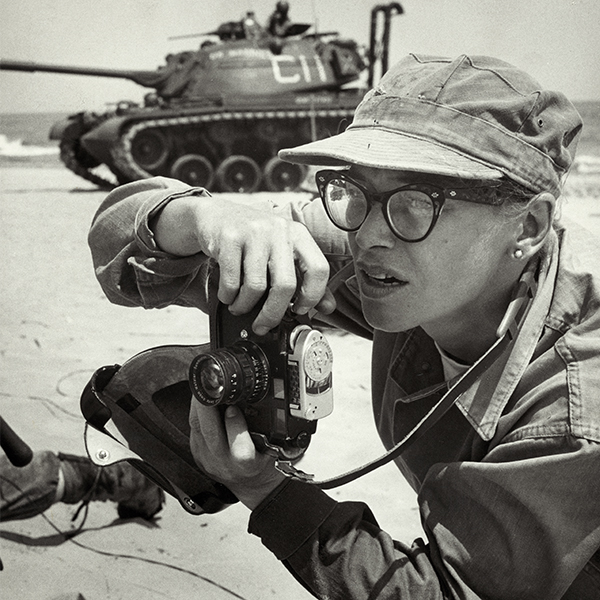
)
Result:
{"points": [[536, 223]]}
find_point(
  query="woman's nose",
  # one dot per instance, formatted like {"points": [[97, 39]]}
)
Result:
{"points": [[375, 230]]}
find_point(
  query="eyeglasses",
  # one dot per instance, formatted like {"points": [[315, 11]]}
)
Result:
{"points": [[411, 211]]}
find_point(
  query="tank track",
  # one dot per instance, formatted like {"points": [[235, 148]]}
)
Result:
{"points": [[69, 156], [125, 164]]}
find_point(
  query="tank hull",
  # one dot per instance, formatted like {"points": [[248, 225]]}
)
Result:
{"points": [[231, 147]]}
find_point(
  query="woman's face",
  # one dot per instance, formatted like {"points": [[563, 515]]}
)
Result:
{"points": [[458, 276]]}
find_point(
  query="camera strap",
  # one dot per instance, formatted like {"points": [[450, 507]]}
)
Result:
{"points": [[506, 334]]}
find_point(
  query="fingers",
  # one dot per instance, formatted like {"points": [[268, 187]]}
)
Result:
{"points": [[314, 271], [282, 286], [327, 304], [230, 273], [277, 255], [258, 254]]}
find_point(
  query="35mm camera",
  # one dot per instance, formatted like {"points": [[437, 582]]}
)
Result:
{"points": [[282, 381]]}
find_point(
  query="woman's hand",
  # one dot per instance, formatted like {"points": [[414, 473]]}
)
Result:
{"points": [[255, 251], [223, 448]]}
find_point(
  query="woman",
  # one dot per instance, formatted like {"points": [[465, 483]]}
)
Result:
{"points": [[446, 202]]}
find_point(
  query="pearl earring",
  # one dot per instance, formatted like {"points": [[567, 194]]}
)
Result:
{"points": [[518, 254]]}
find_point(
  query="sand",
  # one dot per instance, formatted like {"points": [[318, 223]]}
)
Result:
{"points": [[57, 328]]}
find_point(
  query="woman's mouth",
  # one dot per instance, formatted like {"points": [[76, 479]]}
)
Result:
{"points": [[384, 279], [376, 284]]}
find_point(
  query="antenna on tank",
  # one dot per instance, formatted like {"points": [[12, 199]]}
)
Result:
{"points": [[315, 16]]}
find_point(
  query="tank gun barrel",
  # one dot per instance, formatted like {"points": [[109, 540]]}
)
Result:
{"points": [[140, 77], [320, 34], [192, 35]]}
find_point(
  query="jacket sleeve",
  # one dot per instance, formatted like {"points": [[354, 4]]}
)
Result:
{"points": [[337, 551], [520, 524], [128, 264]]}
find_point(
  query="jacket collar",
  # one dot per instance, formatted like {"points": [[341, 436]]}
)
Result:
{"points": [[483, 403]]}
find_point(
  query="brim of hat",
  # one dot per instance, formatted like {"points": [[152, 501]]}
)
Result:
{"points": [[386, 149]]}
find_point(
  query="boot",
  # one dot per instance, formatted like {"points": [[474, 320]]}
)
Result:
{"points": [[135, 495], [30, 490]]}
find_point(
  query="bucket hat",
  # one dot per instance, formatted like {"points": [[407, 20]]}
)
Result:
{"points": [[473, 117]]}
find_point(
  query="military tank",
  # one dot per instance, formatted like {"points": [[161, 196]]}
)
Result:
{"points": [[217, 116]]}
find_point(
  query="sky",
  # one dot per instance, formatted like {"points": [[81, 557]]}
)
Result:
{"points": [[556, 41]]}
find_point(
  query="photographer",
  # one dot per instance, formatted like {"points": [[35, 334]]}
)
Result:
{"points": [[446, 203]]}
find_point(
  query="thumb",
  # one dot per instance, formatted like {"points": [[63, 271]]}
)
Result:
{"points": [[240, 442]]}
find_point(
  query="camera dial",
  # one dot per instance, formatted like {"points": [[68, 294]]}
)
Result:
{"points": [[318, 361], [230, 375]]}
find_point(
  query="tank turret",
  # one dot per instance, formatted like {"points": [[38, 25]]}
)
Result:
{"points": [[217, 116]]}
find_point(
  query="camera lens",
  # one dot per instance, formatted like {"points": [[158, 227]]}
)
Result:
{"points": [[230, 375], [211, 378]]}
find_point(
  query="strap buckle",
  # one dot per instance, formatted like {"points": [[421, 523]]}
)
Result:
{"points": [[289, 470]]}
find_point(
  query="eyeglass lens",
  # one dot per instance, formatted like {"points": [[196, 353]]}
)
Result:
{"points": [[410, 212]]}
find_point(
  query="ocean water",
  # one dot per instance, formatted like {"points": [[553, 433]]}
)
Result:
{"points": [[24, 139]]}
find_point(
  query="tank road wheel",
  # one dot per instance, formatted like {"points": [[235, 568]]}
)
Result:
{"points": [[238, 174], [281, 176], [150, 149], [194, 170]]}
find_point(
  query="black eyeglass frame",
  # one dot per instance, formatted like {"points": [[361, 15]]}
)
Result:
{"points": [[436, 194]]}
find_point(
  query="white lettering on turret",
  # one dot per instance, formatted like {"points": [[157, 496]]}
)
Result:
{"points": [[320, 68], [305, 68], [279, 77]]}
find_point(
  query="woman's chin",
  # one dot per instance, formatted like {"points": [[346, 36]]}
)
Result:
{"points": [[386, 318]]}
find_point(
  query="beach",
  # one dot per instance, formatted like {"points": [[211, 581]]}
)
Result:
{"points": [[57, 328]]}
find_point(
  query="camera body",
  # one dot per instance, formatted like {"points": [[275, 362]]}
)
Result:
{"points": [[282, 381]]}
